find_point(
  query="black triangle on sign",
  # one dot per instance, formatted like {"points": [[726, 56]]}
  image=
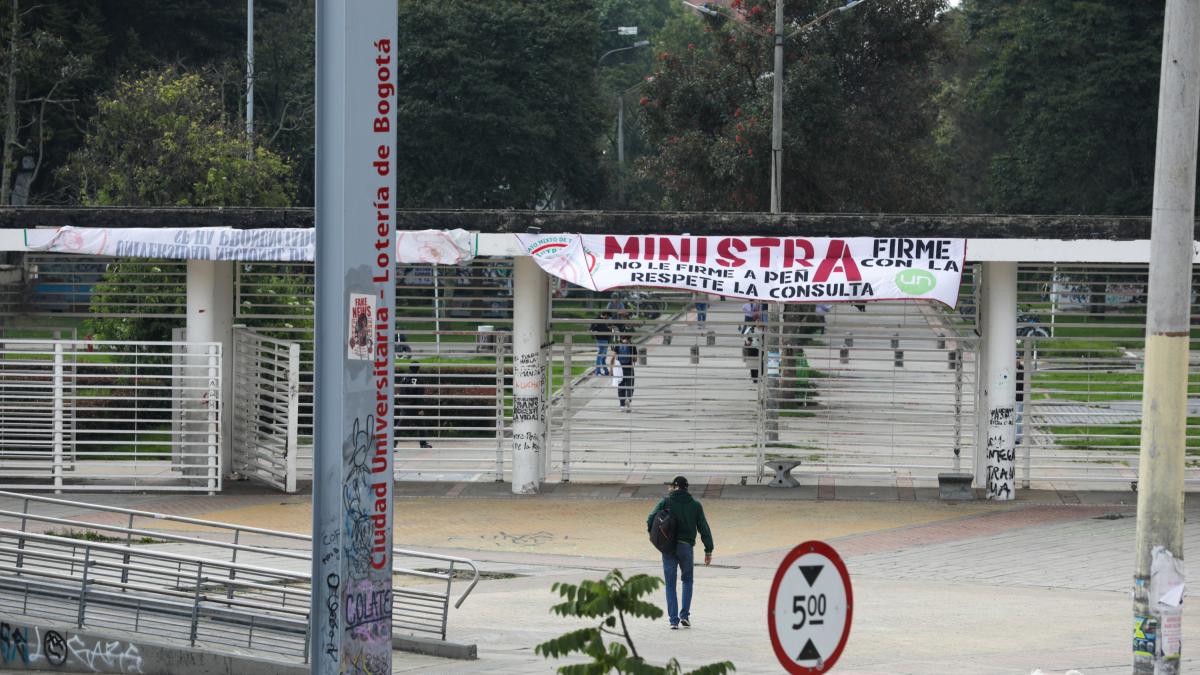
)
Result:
{"points": [[809, 653], [811, 572]]}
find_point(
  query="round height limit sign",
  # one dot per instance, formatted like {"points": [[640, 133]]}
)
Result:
{"points": [[810, 609]]}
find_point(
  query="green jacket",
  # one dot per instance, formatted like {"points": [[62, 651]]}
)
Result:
{"points": [[690, 516]]}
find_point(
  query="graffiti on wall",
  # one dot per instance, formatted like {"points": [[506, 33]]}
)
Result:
{"points": [[35, 648]]}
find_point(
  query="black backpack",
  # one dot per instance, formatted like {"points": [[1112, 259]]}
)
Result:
{"points": [[663, 530]]}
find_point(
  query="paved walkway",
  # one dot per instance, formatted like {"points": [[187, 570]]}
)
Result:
{"points": [[1040, 583]]}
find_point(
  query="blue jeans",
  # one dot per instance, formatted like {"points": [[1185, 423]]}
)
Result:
{"points": [[701, 312], [601, 353], [681, 558]]}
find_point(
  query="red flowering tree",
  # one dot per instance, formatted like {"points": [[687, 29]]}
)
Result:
{"points": [[859, 117]]}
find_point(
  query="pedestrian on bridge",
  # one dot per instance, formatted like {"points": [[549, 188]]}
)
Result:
{"points": [[624, 354], [689, 519], [601, 335], [412, 400], [750, 316]]}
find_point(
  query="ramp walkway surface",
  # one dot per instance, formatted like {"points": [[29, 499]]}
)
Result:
{"points": [[974, 588], [208, 585]]}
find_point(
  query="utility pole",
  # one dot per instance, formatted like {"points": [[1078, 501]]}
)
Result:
{"points": [[777, 116], [621, 148], [1158, 574], [772, 338]]}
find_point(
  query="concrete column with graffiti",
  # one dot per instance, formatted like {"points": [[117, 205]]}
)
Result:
{"points": [[351, 617], [1000, 386], [530, 298]]}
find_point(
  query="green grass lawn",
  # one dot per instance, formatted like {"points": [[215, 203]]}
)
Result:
{"points": [[1097, 386], [1125, 437]]}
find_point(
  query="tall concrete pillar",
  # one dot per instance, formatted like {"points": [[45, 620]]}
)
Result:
{"points": [[209, 319], [996, 454], [531, 293]]}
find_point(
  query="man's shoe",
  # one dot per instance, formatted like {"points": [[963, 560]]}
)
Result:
{"points": [[685, 623], [674, 626], [425, 444]]}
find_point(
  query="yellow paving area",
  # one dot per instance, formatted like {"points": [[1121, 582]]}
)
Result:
{"points": [[611, 528]]}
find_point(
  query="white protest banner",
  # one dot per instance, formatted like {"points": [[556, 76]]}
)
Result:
{"points": [[192, 243], [786, 269], [438, 247]]}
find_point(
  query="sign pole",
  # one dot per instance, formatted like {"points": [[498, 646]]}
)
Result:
{"points": [[351, 615]]}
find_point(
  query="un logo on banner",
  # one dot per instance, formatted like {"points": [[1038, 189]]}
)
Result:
{"points": [[915, 281]]}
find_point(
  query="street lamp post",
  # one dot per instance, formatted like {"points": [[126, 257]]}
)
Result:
{"points": [[777, 95], [621, 118], [773, 338]]}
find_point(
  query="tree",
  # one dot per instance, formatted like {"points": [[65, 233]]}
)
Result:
{"points": [[1063, 97], [611, 599], [858, 110], [160, 140], [43, 63], [163, 140], [497, 104]]}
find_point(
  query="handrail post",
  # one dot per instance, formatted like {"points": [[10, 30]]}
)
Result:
{"points": [[21, 543], [125, 558], [196, 603], [237, 536], [87, 561], [446, 600]]}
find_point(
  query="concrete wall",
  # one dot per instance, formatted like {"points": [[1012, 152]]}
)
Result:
{"points": [[37, 645]]}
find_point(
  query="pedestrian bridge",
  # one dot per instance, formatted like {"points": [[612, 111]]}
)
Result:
{"points": [[885, 391]]}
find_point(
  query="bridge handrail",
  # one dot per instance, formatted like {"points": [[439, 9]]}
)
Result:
{"points": [[235, 530]]}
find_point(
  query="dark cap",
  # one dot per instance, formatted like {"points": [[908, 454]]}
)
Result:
{"points": [[679, 482]]}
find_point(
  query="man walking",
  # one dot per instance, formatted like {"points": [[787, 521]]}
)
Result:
{"points": [[689, 517], [624, 354], [412, 401], [601, 334]]}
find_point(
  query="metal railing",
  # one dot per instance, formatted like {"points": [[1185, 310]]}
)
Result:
{"points": [[420, 606], [1081, 338], [886, 391], [266, 410], [110, 415], [142, 590]]}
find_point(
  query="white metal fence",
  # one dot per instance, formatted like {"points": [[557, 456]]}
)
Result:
{"points": [[87, 415], [1082, 348], [266, 410], [890, 390], [885, 390]]}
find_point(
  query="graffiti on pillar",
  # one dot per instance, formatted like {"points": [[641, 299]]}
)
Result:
{"points": [[526, 441], [356, 498], [526, 409], [1001, 454], [527, 367]]}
